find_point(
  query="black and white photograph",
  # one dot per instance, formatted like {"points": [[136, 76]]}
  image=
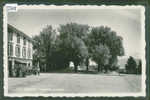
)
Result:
{"points": [[72, 51]]}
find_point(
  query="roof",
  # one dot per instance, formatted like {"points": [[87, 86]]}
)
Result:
{"points": [[19, 32]]}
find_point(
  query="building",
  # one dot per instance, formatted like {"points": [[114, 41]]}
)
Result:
{"points": [[19, 51]]}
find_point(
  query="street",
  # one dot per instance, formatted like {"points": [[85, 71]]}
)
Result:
{"points": [[75, 83]]}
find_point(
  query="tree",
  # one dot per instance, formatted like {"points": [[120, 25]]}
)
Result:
{"points": [[74, 29], [72, 44], [105, 36], [86, 40], [139, 68], [44, 46], [77, 43], [79, 53], [131, 66], [101, 55]]}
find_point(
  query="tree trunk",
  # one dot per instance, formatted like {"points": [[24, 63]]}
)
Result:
{"points": [[106, 68], [98, 67], [87, 68], [47, 66], [75, 67], [102, 68], [87, 64]]}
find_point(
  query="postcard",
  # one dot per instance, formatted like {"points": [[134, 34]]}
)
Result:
{"points": [[74, 50]]}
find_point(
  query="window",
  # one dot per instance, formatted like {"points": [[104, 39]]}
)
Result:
{"points": [[24, 52], [18, 38], [29, 53], [17, 51], [10, 36], [24, 41], [10, 49]]}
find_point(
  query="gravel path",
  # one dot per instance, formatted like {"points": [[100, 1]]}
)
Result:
{"points": [[75, 83]]}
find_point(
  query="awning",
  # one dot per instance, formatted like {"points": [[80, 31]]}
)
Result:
{"points": [[20, 61]]}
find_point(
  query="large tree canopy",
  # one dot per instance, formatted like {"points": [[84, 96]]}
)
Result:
{"points": [[105, 36], [44, 45], [72, 44], [101, 55], [73, 29], [78, 43]]}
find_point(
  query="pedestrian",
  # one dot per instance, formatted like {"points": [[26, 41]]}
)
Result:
{"points": [[38, 70]]}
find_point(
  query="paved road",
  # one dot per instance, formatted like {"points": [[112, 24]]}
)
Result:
{"points": [[75, 83]]}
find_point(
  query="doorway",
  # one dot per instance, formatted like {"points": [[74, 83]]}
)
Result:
{"points": [[10, 68]]}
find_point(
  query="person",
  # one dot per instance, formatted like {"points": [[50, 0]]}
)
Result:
{"points": [[38, 70]]}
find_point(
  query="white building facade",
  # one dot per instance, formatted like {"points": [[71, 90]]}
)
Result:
{"points": [[20, 50]]}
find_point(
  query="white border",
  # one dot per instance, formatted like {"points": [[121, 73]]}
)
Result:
{"points": [[5, 57]]}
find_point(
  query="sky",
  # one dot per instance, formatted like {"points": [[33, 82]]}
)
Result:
{"points": [[126, 22]]}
